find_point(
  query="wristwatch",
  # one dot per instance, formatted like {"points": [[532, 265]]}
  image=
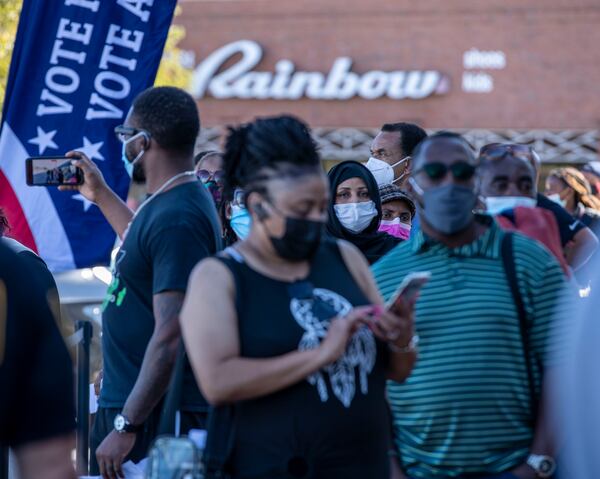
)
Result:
{"points": [[544, 466], [409, 348], [122, 425]]}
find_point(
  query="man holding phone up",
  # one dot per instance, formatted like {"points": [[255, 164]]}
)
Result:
{"points": [[471, 407], [170, 232]]}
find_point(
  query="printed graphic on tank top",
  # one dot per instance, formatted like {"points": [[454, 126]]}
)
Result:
{"points": [[334, 423], [360, 353]]}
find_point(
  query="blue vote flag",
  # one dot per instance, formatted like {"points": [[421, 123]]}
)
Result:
{"points": [[76, 67]]}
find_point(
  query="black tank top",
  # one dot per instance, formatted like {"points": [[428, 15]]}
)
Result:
{"points": [[334, 424]]}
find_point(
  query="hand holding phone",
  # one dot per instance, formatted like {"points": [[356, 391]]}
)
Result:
{"points": [[94, 184], [409, 289], [52, 171]]}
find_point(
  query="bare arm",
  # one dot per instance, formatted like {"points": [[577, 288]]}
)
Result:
{"points": [[159, 359], [214, 350], [151, 384], [95, 189], [581, 248], [544, 438], [401, 364], [114, 209], [50, 458]]}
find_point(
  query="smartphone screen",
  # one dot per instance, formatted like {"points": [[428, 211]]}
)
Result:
{"points": [[52, 171], [410, 287]]}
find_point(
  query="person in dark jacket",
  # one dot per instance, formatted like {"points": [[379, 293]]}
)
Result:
{"points": [[355, 210]]}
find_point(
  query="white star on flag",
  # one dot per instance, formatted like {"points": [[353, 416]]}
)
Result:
{"points": [[91, 150], [87, 204], [44, 140]]}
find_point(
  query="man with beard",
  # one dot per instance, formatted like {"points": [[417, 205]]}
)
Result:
{"points": [[170, 232]]}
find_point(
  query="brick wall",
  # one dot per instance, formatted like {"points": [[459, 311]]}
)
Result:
{"points": [[551, 79]]}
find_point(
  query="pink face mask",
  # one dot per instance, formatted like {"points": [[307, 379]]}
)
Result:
{"points": [[395, 228]]}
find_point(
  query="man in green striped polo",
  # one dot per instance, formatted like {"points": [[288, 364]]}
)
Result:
{"points": [[467, 409]]}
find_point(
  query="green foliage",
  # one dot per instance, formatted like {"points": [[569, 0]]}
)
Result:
{"points": [[170, 71], [9, 18]]}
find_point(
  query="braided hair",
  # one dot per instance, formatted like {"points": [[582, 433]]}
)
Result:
{"points": [[266, 149], [575, 180]]}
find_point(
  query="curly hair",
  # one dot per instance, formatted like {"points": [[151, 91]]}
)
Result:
{"points": [[171, 117]]}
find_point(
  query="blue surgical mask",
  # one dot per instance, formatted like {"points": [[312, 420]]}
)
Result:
{"points": [[356, 217], [240, 221], [497, 204], [555, 197], [126, 163]]}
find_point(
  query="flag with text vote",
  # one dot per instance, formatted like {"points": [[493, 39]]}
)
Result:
{"points": [[76, 67]]}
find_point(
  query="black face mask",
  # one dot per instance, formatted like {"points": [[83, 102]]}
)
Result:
{"points": [[300, 241]]}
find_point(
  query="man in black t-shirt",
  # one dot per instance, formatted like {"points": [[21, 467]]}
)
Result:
{"points": [[173, 230], [37, 410]]}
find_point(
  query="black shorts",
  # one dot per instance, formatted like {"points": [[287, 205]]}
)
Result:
{"points": [[103, 425]]}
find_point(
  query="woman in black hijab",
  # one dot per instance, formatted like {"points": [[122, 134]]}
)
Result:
{"points": [[355, 210]]}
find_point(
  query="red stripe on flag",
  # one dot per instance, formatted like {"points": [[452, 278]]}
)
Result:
{"points": [[19, 227]]}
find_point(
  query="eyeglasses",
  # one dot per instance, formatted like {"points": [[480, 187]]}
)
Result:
{"points": [[205, 176], [497, 151], [124, 133], [461, 170]]}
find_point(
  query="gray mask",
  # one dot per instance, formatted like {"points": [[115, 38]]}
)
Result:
{"points": [[448, 208]]}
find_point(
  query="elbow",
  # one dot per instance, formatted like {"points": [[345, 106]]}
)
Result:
{"points": [[215, 399], [216, 391], [217, 396]]}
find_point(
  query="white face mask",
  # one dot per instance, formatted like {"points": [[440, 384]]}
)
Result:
{"points": [[497, 204], [355, 217], [557, 199], [384, 172]]}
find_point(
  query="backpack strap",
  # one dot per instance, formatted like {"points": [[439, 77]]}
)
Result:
{"points": [[508, 260]]}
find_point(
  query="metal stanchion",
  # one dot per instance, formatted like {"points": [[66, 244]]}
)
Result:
{"points": [[84, 339], [3, 462]]}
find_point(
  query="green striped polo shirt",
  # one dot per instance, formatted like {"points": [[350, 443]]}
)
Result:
{"points": [[465, 408]]}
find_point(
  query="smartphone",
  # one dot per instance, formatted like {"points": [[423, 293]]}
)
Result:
{"points": [[52, 171], [409, 288]]}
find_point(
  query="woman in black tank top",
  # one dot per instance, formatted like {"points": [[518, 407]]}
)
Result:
{"points": [[285, 324]]}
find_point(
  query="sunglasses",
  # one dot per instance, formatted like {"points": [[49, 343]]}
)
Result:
{"points": [[497, 151], [124, 133], [205, 176], [461, 170]]}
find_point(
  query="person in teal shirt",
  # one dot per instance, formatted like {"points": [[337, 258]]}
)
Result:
{"points": [[470, 406]]}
